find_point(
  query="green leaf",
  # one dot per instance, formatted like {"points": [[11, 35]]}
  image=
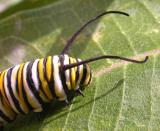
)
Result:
{"points": [[122, 96], [8, 7]]}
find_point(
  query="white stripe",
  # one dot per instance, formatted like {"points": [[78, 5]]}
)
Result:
{"points": [[34, 74], [66, 61], [80, 66], [8, 94], [31, 98], [13, 80], [80, 71], [57, 81]]}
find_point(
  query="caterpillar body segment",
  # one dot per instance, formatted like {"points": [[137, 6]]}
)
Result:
{"points": [[26, 87]]}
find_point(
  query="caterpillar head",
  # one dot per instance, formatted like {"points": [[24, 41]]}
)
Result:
{"points": [[86, 76], [77, 77]]}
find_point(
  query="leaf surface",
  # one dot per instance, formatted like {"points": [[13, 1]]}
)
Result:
{"points": [[122, 96]]}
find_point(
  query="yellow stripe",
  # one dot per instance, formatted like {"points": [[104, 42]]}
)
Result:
{"points": [[87, 75], [48, 67], [4, 100], [68, 85], [6, 88], [73, 75], [44, 83], [44, 98], [8, 111], [21, 99], [2, 87], [75, 70]]}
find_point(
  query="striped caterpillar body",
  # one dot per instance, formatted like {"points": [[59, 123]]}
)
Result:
{"points": [[26, 87]]}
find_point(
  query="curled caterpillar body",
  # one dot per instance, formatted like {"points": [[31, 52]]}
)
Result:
{"points": [[26, 87]]}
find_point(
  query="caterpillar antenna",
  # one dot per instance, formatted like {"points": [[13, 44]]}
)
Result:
{"points": [[68, 66], [74, 36]]}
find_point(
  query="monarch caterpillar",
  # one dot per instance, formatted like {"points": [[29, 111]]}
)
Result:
{"points": [[26, 87]]}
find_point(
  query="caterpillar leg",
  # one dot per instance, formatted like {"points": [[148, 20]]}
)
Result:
{"points": [[80, 92], [66, 102]]}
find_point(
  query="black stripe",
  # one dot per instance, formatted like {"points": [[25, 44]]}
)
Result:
{"points": [[39, 81], [45, 73], [90, 78], [24, 93], [70, 73], [31, 83], [50, 83], [77, 72], [63, 78], [5, 92], [6, 118], [16, 103], [84, 74], [17, 90]]}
